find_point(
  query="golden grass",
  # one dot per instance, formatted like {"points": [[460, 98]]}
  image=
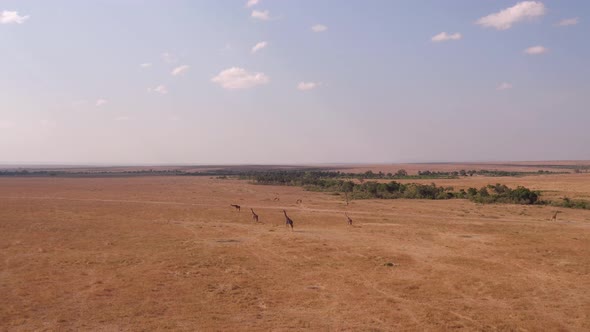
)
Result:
{"points": [[154, 253]]}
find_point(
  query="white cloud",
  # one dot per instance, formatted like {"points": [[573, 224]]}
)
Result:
{"points": [[319, 28], [169, 57], [304, 86], [261, 15], [503, 20], [100, 102], [239, 78], [145, 65], [8, 17], [161, 89], [7, 124], [443, 36], [259, 46], [504, 86], [180, 70], [534, 50], [568, 21], [252, 3]]}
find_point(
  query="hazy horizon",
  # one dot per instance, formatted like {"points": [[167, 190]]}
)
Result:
{"points": [[475, 162], [236, 82]]}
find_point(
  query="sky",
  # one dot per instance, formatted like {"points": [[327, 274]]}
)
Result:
{"points": [[293, 81]]}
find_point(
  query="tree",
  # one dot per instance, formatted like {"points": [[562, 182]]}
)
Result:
{"points": [[401, 173], [483, 192]]}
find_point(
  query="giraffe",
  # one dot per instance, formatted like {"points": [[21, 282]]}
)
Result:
{"points": [[554, 218], [288, 221], [254, 215], [237, 207], [349, 219], [299, 201]]}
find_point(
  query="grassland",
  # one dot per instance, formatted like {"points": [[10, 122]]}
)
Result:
{"points": [[165, 252]]}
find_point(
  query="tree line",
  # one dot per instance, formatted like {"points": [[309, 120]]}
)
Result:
{"points": [[401, 174], [315, 181]]}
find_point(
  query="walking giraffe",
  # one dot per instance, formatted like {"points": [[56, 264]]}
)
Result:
{"points": [[237, 207], [288, 221], [349, 219], [254, 215]]}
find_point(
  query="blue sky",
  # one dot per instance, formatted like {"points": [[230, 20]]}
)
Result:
{"points": [[129, 82]]}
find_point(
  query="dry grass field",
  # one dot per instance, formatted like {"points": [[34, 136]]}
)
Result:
{"points": [[169, 253], [449, 167]]}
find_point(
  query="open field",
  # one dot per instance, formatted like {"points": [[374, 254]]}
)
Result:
{"points": [[509, 166], [154, 253]]}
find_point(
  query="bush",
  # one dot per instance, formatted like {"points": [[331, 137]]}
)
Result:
{"points": [[522, 195]]}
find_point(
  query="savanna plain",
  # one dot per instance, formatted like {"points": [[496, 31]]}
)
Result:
{"points": [[149, 253]]}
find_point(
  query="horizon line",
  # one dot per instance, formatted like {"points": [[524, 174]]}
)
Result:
{"points": [[140, 164]]}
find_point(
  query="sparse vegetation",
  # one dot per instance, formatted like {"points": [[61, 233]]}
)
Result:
{"points": [[498, 193], [571, 203], [314, 181], [401, 174], [354, 185]]}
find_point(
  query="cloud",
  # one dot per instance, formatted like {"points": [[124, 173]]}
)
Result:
{"points": [[239, 78], [259, 46], [568, 21], [304, 86], [443, 36], [503, 20], [8, 17], [252, 3], [7, 124], [504, 86], [319, 28], [161, 89], [180, 70], [145, 65], [100, 102], [122, 118], [534, 50], [169, 57], [261, 15]]}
